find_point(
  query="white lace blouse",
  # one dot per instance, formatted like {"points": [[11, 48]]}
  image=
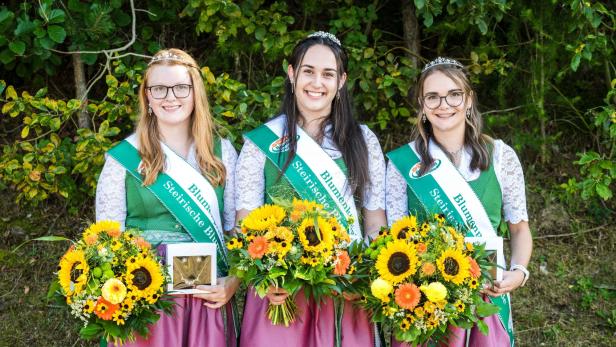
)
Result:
{"points": [[111, 190], [250, 179], [508, 173]]}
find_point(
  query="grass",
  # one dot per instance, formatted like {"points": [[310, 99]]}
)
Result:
{"points": [[570, 299]]}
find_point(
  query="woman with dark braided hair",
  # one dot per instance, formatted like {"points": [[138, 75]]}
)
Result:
{"points": [[317, 130], [450, 155]]}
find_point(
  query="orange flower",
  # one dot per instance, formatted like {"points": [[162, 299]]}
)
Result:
{"points": [[342, 263], [295, 216], [421, 247], [113, 232], [428, 269], [474, 270], [258, 247], [104, 309], [407, 296], [91, 239], [141, 243]]}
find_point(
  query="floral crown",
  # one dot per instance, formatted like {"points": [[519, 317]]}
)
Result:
{"points": [[442, 61], [169, 56], [326, 35]]}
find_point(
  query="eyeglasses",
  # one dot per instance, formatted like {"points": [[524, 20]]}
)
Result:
{"points": [[180, 91], [453, 99]]}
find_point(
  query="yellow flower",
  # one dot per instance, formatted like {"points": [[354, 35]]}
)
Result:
{"points": [[127, 304], [381, 289], [313, 240], [115, 245], [389, 311], [440, 218], [119, 317], [89, 306], [419, 312], [264, 217], [143, 276], [454, 266], [473, 283], [397, 261], [305, 205], [114, 291], [459, 306], [234, 243], [429, 306], [404, 228], [111, 227], [425, 228], [405, 325], [434, 291], [73, 273], [280, 239]]}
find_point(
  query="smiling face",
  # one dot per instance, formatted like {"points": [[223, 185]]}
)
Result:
{"points": [[170, 111], [444, 118], [316, 82]]}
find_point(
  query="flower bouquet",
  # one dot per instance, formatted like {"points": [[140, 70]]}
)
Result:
{"points": [[423, 277], [112, 281], [290, 246]]}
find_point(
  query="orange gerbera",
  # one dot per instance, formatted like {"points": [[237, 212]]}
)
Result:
{"points": [[407, 296], [475, 270], [258, 247], [427, 269], [141, 243], [113, 232], [421, 247], [104, 309], [91, 239], [342, 263]]}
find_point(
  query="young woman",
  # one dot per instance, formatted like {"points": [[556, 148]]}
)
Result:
{"points": [[485, 172], [175, 141], [317, 130]]}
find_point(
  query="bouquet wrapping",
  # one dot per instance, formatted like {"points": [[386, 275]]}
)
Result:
{"points": [[291, 246], [423, 277], [113, 281]]}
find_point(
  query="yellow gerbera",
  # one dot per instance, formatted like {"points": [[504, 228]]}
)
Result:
{"points": [[73, 273], [397, 261], [404, 228], [313, 240], [143, 276], [454, 266], [263, 218], [114, 291]]}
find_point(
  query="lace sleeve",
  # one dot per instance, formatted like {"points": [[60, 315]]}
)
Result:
{"points": [[229, 158], [374, 192], [395, 198], [249, 178], [111, 192], [511, 179]]}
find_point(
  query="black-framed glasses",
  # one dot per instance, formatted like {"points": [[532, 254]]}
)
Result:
{"points": [[180, 91], [453, 99]]}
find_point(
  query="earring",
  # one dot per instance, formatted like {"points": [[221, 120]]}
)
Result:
{"points": [[292, 87], [468, 113], [423, 117], [149, 110], [338, 95]]}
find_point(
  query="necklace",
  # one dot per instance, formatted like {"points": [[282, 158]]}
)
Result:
{"points": [[456, 155]]}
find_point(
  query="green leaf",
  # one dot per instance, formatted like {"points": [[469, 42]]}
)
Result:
{"points": [[6, 56], [17, 47], [90, 331], [56, 16], [56, 33], [483, 327], [428, 19], [485, 309], [25, 131], [260, 33], [420, 4], [604, 191], [483, 27], [575, 62]]}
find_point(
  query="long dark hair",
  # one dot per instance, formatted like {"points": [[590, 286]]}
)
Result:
{"points": [[473, 136], [346, 132]]}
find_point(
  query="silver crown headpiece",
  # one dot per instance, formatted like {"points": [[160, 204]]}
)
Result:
{"points": [[442, 61], [326, 35], [167, 56]]}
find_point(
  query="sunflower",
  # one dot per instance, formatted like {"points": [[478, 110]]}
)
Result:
{"points": [[119, 317], [459, 306], [404, 228], [112, 228], [313, 240], [234, 243], [407, 296], [127, 304], [453, 266], [89, 306], [264, 217], [425, 228], [397, 261], [339, 231], [473, 283], [440, 218], [73, 273], [143, 276], [279, 235], [405, 324]]}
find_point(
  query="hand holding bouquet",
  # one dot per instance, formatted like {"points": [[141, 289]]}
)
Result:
{"points": [[112, 281], [290, 246], [423, 277]]}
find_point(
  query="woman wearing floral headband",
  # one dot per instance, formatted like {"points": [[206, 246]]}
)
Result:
{"points": [[175, 141], [451, 155], [316, 110]]}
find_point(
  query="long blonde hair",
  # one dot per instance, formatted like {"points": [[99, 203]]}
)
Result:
{"points": [[201, 125]]}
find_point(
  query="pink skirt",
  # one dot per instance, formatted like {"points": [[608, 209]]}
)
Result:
{"points": [[314, 325]]}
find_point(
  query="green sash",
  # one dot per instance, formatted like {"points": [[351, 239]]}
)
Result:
{"points": [[443, 190], [313, 174], [188, 196]]}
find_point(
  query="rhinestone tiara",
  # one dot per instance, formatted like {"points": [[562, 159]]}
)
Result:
{"points": [[442, 61], [167, 56], [326, 35]]}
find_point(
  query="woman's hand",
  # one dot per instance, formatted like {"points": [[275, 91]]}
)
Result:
{"points": [[219, 294], [511, 281], [276, 295]]}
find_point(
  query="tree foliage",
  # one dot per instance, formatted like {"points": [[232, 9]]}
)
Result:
{"points": [[543, 70]]}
